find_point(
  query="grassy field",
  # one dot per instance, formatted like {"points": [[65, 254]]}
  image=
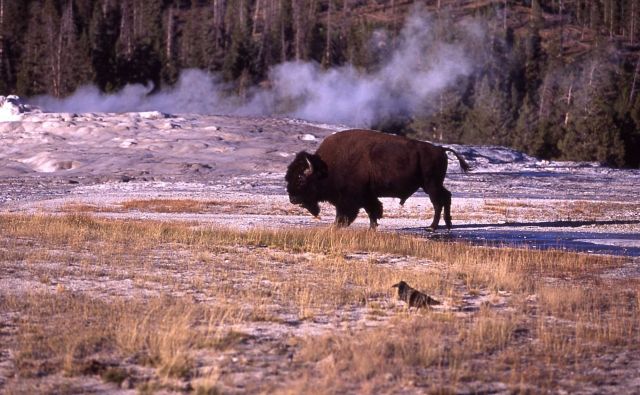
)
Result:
{"points": [[92, 305]]}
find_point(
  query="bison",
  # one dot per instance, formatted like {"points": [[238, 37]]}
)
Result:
{"points": [[353, 168]]}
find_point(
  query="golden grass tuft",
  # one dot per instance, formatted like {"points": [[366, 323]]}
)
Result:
{"points": [[169, 205], [73, 334]]}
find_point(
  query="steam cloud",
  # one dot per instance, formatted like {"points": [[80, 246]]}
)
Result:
{"points": [[413, 74]]}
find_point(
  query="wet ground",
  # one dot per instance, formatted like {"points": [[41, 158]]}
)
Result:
{"points": [[500, 235]]}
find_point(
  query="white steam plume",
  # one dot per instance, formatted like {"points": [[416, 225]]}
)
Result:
{"points": [[415, 72]]}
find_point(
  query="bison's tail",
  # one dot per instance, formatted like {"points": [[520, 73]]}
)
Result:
{"points": [[463, 164]]}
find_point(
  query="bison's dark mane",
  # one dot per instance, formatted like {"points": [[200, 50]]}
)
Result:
{"points": [[300, 164], [302, 177]]}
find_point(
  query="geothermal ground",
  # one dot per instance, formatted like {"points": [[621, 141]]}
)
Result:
{"points": [[51, 161], [159, 253]]}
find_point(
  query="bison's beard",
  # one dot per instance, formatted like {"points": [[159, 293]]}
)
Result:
{"points": [[312, 207]]}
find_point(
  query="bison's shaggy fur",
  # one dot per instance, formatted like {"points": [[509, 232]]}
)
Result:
{"points": [[353, 168], [413, 297]]}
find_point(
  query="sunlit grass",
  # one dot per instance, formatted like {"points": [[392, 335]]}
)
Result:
{"points": [[176, 297]]}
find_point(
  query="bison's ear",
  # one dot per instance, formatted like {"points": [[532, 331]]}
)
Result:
{"points": [[320, 168]]}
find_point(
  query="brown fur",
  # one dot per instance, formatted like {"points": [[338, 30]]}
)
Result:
{"points": [[413, 297], [353, 168]]}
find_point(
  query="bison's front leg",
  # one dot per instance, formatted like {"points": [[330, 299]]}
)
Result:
{"points": [[345, 215]]}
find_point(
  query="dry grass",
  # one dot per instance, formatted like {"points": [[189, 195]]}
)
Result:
{"points": [[189, 206], [182, 206], [77, 335], [173, 306]]}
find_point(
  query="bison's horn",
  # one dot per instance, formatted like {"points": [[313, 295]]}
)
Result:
{"points": [[309, 171]]}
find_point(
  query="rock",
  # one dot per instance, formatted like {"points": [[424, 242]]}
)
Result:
{"points": [[11, 107], [308, 137]]}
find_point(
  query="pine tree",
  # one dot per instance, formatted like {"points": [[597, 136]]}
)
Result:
{"points": [[595, 136], [72, 52], [39, 68], [139, 50], [15, 26], [445, 122], [193, 40], [357, 52], [529, 132], [239, 61], [595, 133], [4, 61], [486, 122], [269, 47], [103, 36]]}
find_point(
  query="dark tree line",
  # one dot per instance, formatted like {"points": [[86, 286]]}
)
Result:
{"points": [[556, 78]]}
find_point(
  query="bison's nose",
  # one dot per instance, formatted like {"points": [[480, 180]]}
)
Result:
{"points": [[295, 200]]}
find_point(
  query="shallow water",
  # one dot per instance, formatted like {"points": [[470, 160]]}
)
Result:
{"points": [[611, 243]]}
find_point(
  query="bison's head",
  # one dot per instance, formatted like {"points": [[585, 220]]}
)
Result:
{"points": [[303, 175]]}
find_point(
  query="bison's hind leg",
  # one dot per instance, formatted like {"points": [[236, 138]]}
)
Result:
{"points": [[374, 209], [447, 207], [440, 198]]}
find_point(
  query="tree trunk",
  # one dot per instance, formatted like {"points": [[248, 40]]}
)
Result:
{"points": [[327, 53], [569, 94], [169, 46], [560, 9], [1, 38], [65, 55], [543, 99], [610, 19], [137, 19], [504, 15], [393, 19], [256, 15], [587, 108], [632, 28], [56, 49], [296, 10], [126, 28], [283, 39], [634, 82], [57, 68], [311, 16]]}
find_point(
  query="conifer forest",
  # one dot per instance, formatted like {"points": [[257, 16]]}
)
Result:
{"points": [[557, 79]]}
